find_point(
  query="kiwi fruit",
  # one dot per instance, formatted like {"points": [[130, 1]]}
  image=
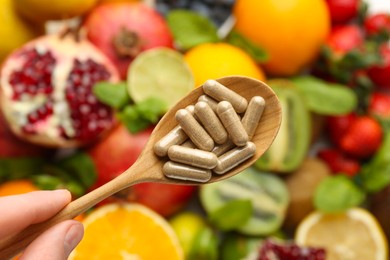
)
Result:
{"points": [[292, 142], [267, 193]]}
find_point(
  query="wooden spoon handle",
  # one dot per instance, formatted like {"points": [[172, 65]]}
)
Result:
{"points": [[12, 245]]}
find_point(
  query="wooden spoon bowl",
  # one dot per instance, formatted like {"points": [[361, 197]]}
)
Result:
{"points": [[148, 167]]}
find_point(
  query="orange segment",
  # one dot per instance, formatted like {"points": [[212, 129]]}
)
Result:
{"points": [[127, 231], [354, 234], [15, 187]]}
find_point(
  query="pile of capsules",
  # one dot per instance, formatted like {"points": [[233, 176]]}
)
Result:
{"points": [[211, 137]]}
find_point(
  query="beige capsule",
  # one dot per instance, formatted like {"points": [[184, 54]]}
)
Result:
{"points": [[191, 109], [210, 101], [234, 157], [232, 123], [223, 148], [180, 171], [194, 130], [252, 115], [211, 122], [193, 157], [221, 93], [176, 136], [188, 143]]}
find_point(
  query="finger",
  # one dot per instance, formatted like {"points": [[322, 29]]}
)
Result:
{"points": [[55, 243], [20, 211]]}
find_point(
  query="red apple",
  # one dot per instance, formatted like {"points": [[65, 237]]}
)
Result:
{"points": [[117, 152]]}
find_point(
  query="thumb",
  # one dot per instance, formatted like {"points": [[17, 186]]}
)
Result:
{"points": [[55, 243]]}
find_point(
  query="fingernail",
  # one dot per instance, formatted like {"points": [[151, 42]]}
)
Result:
{"points": [[73, 237]]}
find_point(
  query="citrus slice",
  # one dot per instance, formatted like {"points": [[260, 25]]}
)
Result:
{"points": [[127, 231], [159, 73], [15, 187], [354, 234]]}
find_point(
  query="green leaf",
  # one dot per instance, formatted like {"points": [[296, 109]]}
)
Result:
{"points": [[337, 193], [232, 215], [204, 246], [48, 182], [151, 109], [18, 168], [112, 94], [375, 175], [326, 98], [143, 114], [81, 166], [258, 54], [190, 28]]}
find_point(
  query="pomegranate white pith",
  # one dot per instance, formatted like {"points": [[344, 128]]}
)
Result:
{"points": [[46, 91]]}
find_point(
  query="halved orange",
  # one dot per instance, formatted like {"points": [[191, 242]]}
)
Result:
{"points": [[353, 234], [127, 231], [15, 187]]}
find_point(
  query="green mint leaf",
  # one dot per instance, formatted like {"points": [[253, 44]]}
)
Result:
{"points": [[258, 54], [375, 175], [81, 166], [19, 168], [326, 98], [151, 109], [204, 246], [48, 182], [337, 193], [133, 121], [232, 215], [76, 188], [140, 116], [190, 28], [112, 94]]}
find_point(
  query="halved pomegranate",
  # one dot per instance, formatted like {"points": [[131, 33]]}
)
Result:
{"points": [[46, 91]]}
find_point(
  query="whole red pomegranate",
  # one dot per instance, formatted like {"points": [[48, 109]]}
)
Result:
{"points": [[123, 30], [46, 91], [117, 152]]}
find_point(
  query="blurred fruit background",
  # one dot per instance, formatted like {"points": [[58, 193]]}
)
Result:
{"points": [[84, 82]]}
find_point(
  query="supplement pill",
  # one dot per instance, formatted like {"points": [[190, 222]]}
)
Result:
{"points": [[252, 115], [193, 157], [210, 101], [176, 136], [191, 109], [189, 144], [184, 172], [234, 157], [221, 93], [232, 123], [223, 148], [194, 130], [211, 122]]}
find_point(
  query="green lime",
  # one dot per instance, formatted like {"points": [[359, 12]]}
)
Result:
{"points": [[187, 225], [160, 73]]}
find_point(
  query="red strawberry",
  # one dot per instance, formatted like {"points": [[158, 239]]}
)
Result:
{"points": [[377, 24], [379, 74], [362, 138], [339, 162], [379, 105], [341, 11], [338, 126], [345, 38]]}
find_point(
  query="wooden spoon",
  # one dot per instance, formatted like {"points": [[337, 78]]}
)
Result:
{"points": [[148, 167]]}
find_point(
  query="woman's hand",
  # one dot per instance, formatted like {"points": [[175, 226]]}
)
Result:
{"points": [[19, 211]]}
